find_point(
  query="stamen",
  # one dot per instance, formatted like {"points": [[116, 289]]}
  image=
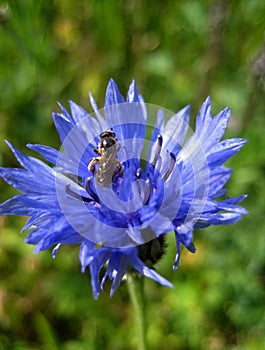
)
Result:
{"points": [[143, 187], [76, 195], [170, 166], [158, 149], [138, 173], [148, 191], [90, 190]]}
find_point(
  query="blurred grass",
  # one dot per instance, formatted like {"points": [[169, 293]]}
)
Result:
{"points": [[178, 52]]}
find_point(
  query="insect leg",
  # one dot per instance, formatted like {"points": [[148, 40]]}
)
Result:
{"points": [[91, 165]]}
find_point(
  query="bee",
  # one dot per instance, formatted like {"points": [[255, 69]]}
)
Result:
{"points": [[108, 164]]}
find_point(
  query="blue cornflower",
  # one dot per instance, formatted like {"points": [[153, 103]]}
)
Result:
{"points": [[115, 194]]}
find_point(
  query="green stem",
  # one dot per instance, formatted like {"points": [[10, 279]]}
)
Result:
{"points": [[136, 291]]}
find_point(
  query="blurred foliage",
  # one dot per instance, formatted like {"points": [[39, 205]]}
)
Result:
{"points": [[179, 52]]}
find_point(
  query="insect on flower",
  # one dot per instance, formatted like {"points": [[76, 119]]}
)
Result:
{"points": [[120, 206], [108, 164]]}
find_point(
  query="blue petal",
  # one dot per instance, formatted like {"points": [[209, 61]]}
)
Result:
{"points": [[25, 181], [87, 125], [78, 113], [204, 118], [113, 95], [66, 114], [17, 178], [177, 258], [64, 237], [221, 219], [175, 130], [94, 274], [63, 125], [218, 177], [139, 266], [115, 271], [101, 120], [210, 130], [85, 255], [39, 218], [219, 125], [183, 236], [28, 163], [133, 95], [185, 233], [224, 150], [128, 121], [229, 205], [61, 160], [78, 143], [18, 205], [236, 200], [49, 153], [120, 269], [100, 258]]}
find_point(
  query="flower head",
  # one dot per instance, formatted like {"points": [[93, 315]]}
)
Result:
{"points": [[115, 194]]}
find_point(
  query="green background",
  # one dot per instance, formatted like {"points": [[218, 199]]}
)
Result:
{"points": [[179, 52]]}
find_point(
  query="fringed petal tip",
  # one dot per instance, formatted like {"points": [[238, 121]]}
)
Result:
{"points": [[133, 95], [15, 151], [176, 263], [113, 95], [7, 143]]}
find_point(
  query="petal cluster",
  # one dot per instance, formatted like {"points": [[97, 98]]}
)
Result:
{"points": [[174, 183]]}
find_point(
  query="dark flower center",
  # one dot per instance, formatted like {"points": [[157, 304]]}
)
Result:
{"points": [[151, 252]]}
